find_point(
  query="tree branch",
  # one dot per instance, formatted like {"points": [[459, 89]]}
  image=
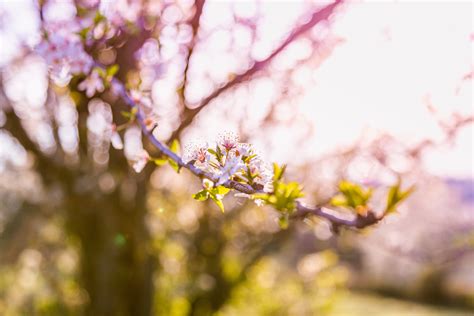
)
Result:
{"points": [[317, 17], [358, 222], [194, 22], [301, 211]]}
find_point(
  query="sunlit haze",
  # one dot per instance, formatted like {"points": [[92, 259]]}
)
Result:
{"points": [[391, 67]]}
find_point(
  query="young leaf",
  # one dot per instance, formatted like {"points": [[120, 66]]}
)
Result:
{"points": [[278, 171], [352, 195], [175, 147], [112, 70], [284, 196], [221, 190], [130, 115], [201, 195], [283, 221], [159, 161], [174, 165], [83, 33], [339, 200], [212, 152], [293, 190], [101, 72], [98, 17], [218, 201], [395, 196], [126, 114], [220, 204], [219, 154]]}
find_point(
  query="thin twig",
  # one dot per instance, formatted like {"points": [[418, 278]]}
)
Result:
{"points": [[317, 17], [194, 22]]}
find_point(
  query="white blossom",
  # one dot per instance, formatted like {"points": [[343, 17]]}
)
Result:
{"points": [[244, 150], [64, 53], [139, 161], [228, 140], [198, 153], [115, 139], [92, 84], [230, 160], [230, 167], [133, 148]]}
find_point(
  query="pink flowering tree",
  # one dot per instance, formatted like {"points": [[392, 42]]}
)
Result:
{"points": [[100, 133]]}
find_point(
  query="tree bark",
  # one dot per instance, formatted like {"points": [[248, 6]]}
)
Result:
{"points": [[116, 264]]}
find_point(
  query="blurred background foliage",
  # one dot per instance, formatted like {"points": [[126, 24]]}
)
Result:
{"points": [[82, 234]]}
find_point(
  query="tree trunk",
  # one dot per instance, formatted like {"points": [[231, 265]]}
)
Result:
{"points": [[116, 265]]}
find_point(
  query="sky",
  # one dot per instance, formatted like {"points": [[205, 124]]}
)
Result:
{"points": [[398, 57]]}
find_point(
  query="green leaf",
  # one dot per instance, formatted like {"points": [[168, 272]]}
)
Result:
{"points": [[83, 33], [283, 221], [293, 190], [98, 17], [160, 161], [218, 201], [201, 195], [212, 151], [353, 195], [219, 154], [284, 196], [278, 171], [175, 147], [220, 204], [221, 190], [339, 200], [174, 165], [130, 115], [126, 114], [216, 195], [395, 196], [247, 159], [112, 70], [272, 199], [101, 72]]}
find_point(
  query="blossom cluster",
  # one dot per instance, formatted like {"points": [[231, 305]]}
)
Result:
{"points": [[65, 43], [230, 159], [64, 53]]}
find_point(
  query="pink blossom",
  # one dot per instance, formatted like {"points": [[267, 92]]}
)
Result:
{"points": [[198, 153], [230, 167], [139, 161], [228, 140], [120, 11], [92, 84], [145, 103], [262, 172], [64, 53], [243, 150], [231, 160], [115, 138], [89, 3], [141, 98]]}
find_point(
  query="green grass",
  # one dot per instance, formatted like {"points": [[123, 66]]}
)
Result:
{"points": [[363, 304]]}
